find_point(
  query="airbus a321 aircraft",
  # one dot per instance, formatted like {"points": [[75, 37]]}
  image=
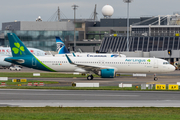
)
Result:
{"points": [[106, 67], [62, 50], [6, 52]]}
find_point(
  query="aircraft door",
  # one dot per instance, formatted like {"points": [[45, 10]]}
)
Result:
{"points": [[155, 63], [33, 61]]}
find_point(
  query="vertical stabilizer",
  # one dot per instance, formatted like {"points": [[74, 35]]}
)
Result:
{"points": [[61, 48], [22, 56], [17, 47]]}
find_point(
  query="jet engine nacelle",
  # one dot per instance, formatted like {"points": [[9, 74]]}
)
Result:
{"points": [[107, 73], [4, 63]]}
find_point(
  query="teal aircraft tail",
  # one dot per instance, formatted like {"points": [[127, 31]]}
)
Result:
{"points": [[17, 47], [22, 56]]}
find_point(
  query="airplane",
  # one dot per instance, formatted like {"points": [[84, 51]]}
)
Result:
{"points": [[6, 52], [3, 63], [106, 67], [62, 50]]}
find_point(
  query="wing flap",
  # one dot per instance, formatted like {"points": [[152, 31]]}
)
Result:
{"points": [[89, 67]]}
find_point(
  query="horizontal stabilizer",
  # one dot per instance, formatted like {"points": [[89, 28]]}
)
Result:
{"points": [[16, 60]]}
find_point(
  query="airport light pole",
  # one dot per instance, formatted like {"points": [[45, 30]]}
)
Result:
{"points": [[127, 1], [74, 8]]}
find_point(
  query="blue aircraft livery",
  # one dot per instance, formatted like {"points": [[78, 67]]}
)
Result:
{"points": [[88, 55], [100, 55], [114, 55], [61, 48]]}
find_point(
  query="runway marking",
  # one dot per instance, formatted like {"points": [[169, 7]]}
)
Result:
{"points": [[90, 103], [44, 90]]}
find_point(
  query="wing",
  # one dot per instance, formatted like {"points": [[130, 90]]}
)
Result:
{"points": [[89, 68]]}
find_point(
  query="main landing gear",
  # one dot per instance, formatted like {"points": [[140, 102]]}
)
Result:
{"points": [[155, 78], [90, 77]]}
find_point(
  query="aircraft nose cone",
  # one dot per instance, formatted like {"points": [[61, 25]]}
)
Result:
{"points": [[172, 68]]}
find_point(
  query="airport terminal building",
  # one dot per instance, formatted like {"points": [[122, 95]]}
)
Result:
{"points": [[89, 33], [39, 34], [152, 37], [149, 36]]}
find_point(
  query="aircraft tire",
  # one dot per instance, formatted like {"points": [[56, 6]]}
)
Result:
{"points": [[89, 77], [92, 77], [155, 78]]}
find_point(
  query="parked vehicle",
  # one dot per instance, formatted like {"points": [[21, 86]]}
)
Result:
{"points": [[177, 65], [15, 68]]}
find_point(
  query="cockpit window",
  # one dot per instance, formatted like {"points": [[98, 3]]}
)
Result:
{"points": [[165, 63]]}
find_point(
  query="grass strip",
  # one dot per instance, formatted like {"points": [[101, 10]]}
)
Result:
{"points": [[9, 82], [68, 86], [43, 75], [76, 113]]}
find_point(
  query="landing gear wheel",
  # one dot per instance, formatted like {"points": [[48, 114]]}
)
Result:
{"points": [[155, 78], [90, 77]]}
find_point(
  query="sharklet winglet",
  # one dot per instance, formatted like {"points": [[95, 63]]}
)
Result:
{"points": [[69, 60], [74, 54]]}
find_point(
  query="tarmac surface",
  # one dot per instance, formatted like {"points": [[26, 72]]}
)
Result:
{"points": [[88, 98], [94, 98]]}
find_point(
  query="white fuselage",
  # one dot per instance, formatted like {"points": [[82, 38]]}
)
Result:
{"points": [[94, 55], [120, 65]]}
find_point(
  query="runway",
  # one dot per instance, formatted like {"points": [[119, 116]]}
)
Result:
{"points": [[90, 98]]}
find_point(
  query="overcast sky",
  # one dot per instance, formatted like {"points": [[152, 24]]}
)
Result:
{"points": [[29, 10]]}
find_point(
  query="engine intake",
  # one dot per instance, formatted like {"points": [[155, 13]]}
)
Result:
{"points": [[107, 73]]}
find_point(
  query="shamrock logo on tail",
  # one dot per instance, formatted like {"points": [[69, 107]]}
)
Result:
{"points": [[18, 48]]}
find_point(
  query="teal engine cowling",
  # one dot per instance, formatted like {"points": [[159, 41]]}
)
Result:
{"points": [[107, 73]]}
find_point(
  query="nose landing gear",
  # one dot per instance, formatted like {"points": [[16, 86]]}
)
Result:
{"points": [[155, 78]]}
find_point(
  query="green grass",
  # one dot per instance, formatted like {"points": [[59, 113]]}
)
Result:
{"points": [[76, 113], [59, 86], [9, 82], [68, 86], [43, 75]]}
